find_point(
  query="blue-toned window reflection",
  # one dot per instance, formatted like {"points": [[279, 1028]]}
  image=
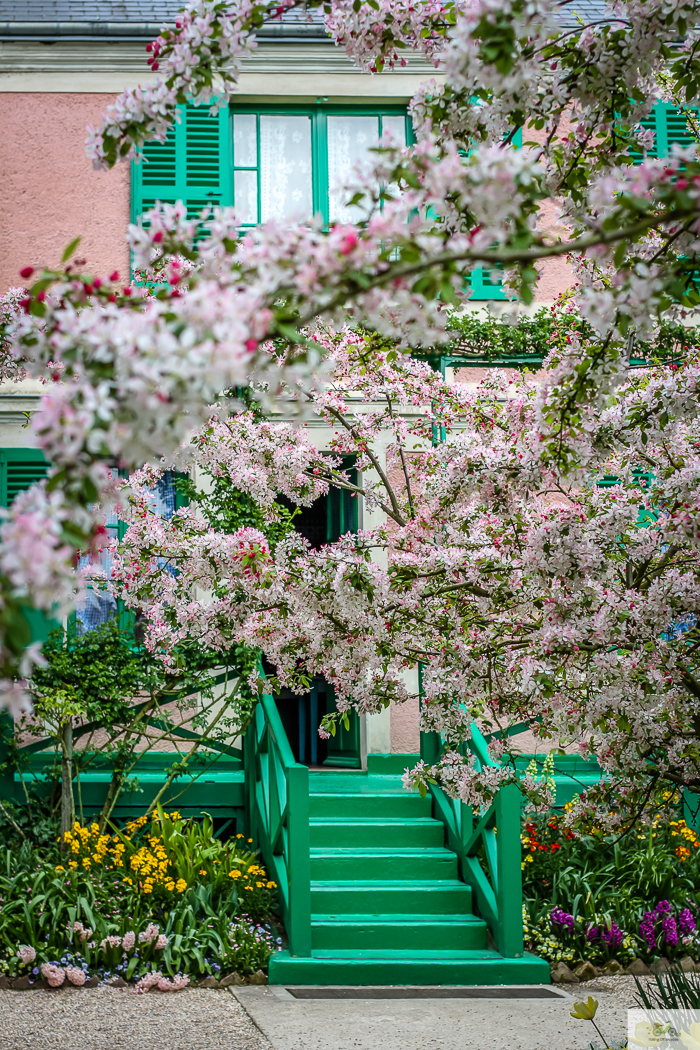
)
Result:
{"points": [[98, 605]]}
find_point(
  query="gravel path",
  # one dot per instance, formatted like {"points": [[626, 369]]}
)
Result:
{"points": [[202, 1019], [116, 1019]]}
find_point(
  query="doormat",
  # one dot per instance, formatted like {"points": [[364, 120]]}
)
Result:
{"points": [[424, 992]]}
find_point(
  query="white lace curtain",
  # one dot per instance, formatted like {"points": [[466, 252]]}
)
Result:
{"points": [[285, 168], [349, 142]]}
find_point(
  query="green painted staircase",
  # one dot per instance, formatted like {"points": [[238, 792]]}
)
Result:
{"points": [[388, 905]]}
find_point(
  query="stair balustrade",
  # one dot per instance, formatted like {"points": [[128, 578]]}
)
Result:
{"points": [[277, 814], [498, 893]]}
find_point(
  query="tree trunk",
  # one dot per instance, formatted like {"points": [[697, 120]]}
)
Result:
{"points": [[67, 802]]}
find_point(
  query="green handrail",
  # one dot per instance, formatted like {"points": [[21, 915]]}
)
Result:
{"points": [[498, 891], [277, 817]]}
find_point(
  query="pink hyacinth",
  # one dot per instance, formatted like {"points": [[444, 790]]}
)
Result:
{"points": [[156, 979], [129, 940], [161, 942], [150, 934], [55, 975], [26, 953], [75, 975]]}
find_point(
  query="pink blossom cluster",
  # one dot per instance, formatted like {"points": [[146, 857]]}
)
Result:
{"points": [[155, 979], [524, 589]]}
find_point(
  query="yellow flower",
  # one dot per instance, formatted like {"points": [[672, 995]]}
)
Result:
{"points": [[72, 864], [260, 885], [148, 889], [240, 836], [202, 871], [250, 840], [95, 829], [180, 885], [86, 862], [59, 867], [170, 886], [249, 887], [272, 885], [235, 874], [127, 879]]}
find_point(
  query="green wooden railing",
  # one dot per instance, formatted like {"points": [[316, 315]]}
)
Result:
{"points": [[277, 813], [498, 892]]}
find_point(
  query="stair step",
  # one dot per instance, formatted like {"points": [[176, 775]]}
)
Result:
{"points": [[356, 832], [359, 783], [400, 931], [391, 897], [355, 967], [380, 864], [368, 804]]}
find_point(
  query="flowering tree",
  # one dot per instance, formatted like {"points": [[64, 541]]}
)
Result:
{"points": [[526, 590], [139, 371]]}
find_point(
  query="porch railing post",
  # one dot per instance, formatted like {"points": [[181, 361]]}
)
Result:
{"points": [[299, 869], [510, 884], [249, 772]]}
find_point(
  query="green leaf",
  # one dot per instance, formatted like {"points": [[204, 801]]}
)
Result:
{"points": [[70, 249]]}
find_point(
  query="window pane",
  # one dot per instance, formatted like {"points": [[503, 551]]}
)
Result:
{"points": [[349, 141], [285, 168], [245, 195], [245, 145], [397, 127]]}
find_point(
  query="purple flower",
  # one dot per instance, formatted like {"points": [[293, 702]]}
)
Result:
{"points": [[686, 922], [670, 930], [646, 929], [562, 919], [612, 938]]}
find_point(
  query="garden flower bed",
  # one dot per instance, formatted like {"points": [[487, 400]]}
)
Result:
{"points": [[615, 903], [159, 904]]}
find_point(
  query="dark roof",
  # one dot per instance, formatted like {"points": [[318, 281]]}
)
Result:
{"points": [[124, 20], [135, 19]]}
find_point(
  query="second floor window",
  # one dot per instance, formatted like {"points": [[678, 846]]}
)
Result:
{"points": [[295, 163]]}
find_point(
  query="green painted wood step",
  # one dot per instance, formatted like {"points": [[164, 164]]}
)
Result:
{"points": [[401, 931], [406, 967], [372, 831], [391, 897], [359, 783], [379, 864], [365, 804]]}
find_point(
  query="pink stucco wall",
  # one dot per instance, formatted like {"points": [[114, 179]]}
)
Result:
{"points": [[49, 191]]}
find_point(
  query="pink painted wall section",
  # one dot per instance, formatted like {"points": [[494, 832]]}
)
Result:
{"points": [[405, 728], [49, 192]]}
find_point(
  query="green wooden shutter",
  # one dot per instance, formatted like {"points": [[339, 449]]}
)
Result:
{"points": [[488, 284], [341, 506], [483, 287], [20, 468], [669, 126], [193, 165]]}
